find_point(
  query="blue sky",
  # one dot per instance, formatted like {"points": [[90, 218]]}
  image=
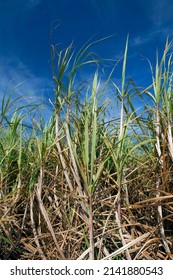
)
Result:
{"points": [[25, 27]]}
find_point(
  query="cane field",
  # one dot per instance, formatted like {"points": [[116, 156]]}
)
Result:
{"points": [[95, 181]]}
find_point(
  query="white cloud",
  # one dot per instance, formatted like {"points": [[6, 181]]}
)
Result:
{"points": [[162, 32], [161, 12], [28, 4], [33, 3], [105, 9], [31, 89]]}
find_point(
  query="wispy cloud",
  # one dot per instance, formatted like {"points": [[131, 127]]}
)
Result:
{"points": [[28, 4], [31, 89], [160, 12], [146, 38], [104, 9]]}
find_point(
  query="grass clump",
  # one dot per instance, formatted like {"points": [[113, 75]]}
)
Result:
{"points": [[85, 185]]}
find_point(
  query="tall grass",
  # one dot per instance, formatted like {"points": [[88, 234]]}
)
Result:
{"points": [[82, 185]]}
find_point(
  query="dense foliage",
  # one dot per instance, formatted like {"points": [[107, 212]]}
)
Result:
{"points": [[89, 184]]}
